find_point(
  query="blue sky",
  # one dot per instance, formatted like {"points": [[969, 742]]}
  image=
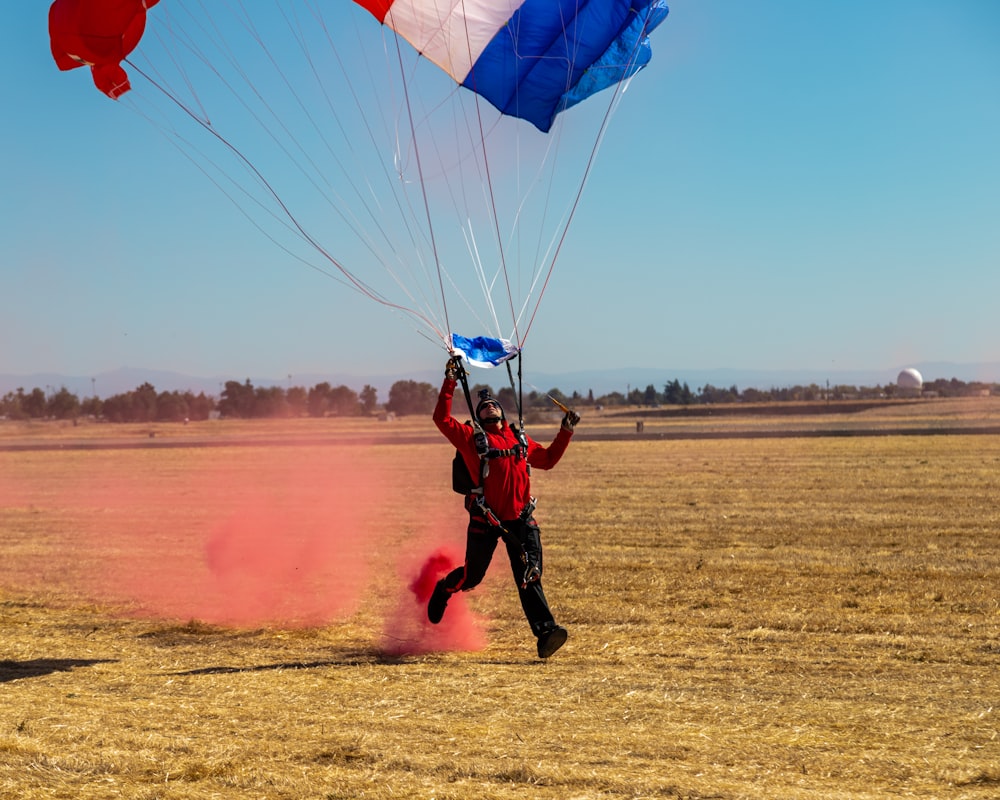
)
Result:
{"points": [[789, 185]]}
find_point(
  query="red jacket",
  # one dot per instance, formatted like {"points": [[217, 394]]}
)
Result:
{"points": [[507, 488]]}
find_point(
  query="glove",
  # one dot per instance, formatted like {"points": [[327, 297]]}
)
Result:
{"points": [[451, 369], [570, 420]]}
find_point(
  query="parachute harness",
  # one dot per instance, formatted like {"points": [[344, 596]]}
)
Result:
{"points": [[477, 499]]}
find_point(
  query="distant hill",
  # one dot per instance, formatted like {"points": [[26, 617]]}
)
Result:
{"points": [[600, 381]]}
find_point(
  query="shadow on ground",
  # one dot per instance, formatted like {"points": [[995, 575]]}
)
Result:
{"points": [[37, 667]]}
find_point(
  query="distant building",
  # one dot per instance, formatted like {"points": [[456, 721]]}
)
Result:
{"points": [[909, 382]]}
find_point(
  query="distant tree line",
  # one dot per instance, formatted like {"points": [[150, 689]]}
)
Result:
{"points": [[676, 393], [407, 397]]}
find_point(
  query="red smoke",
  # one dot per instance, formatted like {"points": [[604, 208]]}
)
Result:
{"points": [[285, 536], [283, 543], [407, 630]]}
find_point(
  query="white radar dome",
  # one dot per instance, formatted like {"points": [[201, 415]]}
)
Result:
{"points": [[909, 378]]}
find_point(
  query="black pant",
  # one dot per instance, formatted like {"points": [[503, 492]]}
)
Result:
{"points": [[523, 541]]}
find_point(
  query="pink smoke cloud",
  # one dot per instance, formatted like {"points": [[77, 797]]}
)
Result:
{"points": [[407, 631], [246, 537]]}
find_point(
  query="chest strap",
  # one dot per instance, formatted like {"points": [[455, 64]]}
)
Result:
{"points": [[513, 451]]}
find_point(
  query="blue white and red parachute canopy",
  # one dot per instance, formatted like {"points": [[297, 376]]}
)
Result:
{"points": [[530, 58]]}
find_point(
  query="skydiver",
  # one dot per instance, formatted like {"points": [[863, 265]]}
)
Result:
{"points": [[500, 506]]}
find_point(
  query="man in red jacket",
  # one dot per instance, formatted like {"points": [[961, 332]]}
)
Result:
{"points": [[501, 506]]}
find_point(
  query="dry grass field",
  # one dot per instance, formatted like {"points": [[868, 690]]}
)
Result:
{"points": [[222, 610]]}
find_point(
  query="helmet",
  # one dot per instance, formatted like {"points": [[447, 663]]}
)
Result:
{"points": [[486, 398]]}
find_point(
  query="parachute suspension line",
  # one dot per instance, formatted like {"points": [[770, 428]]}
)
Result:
{"points": [[486, 287], [492, 197], [246, 23], [518, 396], [176, 137], [176, 62], [539, 258], [239, 207], [375, 220], [602, 129], [423, 191], [496, 224], [404, 213], [351, 278], [329, 195]]}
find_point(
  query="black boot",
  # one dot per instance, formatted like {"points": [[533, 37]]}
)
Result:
{"points": [[551, 640], [438, 602]]}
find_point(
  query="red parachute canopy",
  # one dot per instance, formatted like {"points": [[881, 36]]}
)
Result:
{"points": [[98, 34]]}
